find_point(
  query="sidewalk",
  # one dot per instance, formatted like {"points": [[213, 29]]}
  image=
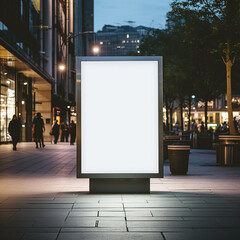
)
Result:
{"points": [[40, 198]]}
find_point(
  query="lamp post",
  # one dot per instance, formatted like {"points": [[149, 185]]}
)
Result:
{"points": [[65, 67]]}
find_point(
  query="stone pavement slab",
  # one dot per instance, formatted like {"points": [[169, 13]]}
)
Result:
{"points": [[41, 198]]}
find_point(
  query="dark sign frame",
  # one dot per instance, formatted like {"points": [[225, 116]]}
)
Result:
{"points": [[160, 118]]}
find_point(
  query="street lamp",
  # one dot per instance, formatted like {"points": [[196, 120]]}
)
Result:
{"points": [[96, 50], [61, 67]]}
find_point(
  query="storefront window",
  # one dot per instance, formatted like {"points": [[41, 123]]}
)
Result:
{"points": [[7, 105]]}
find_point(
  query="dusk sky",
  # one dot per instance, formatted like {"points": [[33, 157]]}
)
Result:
{"points": [[150, 13]]}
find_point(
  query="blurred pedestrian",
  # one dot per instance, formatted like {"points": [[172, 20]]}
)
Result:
{"points": [[176, 127], [38, 129], [55, 131], [14, 129], [235, 122], [72, 131], [224, 127], [62, 131], [194, 126], [202, 128], [66, 132]]}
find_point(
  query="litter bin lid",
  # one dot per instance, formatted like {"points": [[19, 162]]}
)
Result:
{"points": [[229, 137], [178, 147]]}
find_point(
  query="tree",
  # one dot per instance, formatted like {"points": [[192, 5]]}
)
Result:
{"points": [[224, 17]]}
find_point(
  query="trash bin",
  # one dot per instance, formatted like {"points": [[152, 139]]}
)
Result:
{"points": [[216, 146], [178, 156], [229, 150]]}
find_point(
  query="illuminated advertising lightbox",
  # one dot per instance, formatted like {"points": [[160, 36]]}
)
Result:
{"points": [[119, 122]]}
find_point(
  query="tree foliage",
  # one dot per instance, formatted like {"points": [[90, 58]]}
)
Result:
{"points": [[200, 35]]}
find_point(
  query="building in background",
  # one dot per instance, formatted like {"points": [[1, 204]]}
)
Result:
{"points": [[34, 42], [217, 112], [120, 40]]}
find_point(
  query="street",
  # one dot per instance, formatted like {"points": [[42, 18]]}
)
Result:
{"points": [[41, 198]]}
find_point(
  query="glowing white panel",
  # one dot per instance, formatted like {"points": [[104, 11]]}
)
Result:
{"points": [[119, 117]]}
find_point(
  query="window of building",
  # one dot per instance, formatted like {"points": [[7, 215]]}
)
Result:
{"points": [[7, 105]]}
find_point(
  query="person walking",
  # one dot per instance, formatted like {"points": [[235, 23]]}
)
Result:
{"points": [[38, 129], [235, 123], [55, 131], [62, 131], [194, 126], [202, 128], [66, 132], [72, 131], [14, 129]]}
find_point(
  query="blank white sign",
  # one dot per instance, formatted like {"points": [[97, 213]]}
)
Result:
{"points": [[119, 117]]}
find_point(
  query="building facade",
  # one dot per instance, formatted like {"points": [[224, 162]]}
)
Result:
{"points": [[34, 42], [216, 112], [120, 40], [25, 82]]}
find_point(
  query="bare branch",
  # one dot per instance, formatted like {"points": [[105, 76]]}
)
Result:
{"points": [[233, 61], [224, 60], [211, 10]]}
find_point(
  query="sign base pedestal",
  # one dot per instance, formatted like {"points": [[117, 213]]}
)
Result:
{"points": [[119, 185]]}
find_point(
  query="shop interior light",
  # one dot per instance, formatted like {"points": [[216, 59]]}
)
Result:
{"points": [[23, 102], [8, 82], [25, 83]]}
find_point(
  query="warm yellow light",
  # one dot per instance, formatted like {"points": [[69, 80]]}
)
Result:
{"points": [[96, 50], [61, 67], [127, 36], [101, 43]]}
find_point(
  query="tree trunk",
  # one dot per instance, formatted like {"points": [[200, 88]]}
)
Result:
{"points": [[229, 63], [171, 118], [205, 112], [181, 115], [189, 112]]}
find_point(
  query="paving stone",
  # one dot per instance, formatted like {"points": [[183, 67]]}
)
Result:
{"points": [[97, 205], [137, 218], [11, 235], [79, 222], [111, 214], [139, 213], [111, 224], [40, 236], [95, 229], [83, 214], [43, 230], [205, 234], [112, 236], [174, 224]]}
